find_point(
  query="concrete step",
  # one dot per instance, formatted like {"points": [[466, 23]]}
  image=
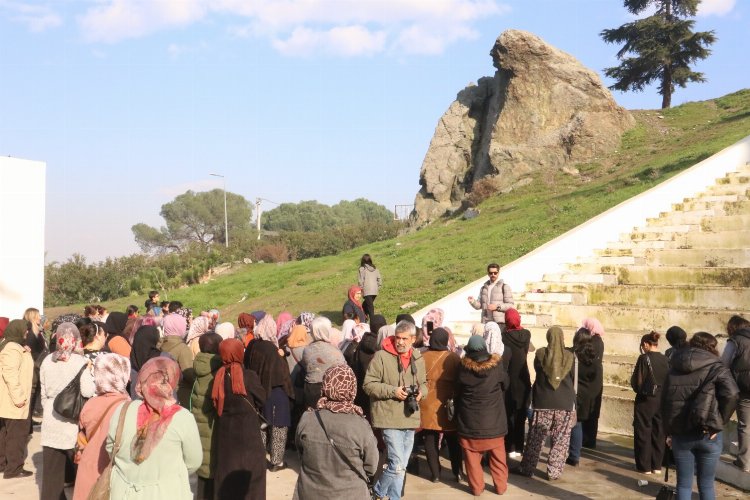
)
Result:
{"points": [[617, 410], [680, 217], [613, 260], [717, 239], [610, 279], [630, 244], [734, 178], [723, 208], [673, 228], [618, 369], [714, 257], [726, 222], [637, 236], [718, 198], [668, 275], [643, 295], [628, 317]]}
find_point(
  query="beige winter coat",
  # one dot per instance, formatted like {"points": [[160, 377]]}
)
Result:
{"points": [[16, 372]]}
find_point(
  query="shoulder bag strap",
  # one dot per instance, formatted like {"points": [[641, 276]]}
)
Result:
{"points": [[650, 369], [99, 423], [436, 362], [339, 453], [118, 434], [244, 398], [575, 374]]}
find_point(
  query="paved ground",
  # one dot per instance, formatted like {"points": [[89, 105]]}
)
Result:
{"points": [[607, 472]]}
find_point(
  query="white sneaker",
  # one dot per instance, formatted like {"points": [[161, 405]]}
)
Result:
{"points": [[514, 454]]}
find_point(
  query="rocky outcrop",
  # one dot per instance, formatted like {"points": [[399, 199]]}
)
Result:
{"points": [[542, 110]]}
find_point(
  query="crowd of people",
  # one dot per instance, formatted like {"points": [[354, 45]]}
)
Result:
{"points": [[145, 400]]}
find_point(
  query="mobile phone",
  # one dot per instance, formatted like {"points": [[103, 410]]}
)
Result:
{"points": [[430, 326]]}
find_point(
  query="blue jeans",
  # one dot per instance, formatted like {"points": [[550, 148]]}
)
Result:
{"points": [[696, 450], [576, 442], [398, 443]]}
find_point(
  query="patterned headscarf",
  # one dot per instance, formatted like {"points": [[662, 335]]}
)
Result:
{"points": [[156, 384], [111, 373], [306, 319], [174, 325], [266, 329], [68, 342], [198, 327], [493, 338], [231, 352], [435, 315], [65, 318], [339, 390], [282, 320], [186, 313], [593, 325]]}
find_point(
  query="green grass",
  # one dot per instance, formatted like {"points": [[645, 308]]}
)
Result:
{"points": [[428, 264]]}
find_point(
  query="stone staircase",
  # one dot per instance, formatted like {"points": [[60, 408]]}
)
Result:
{"points": [[688, 267]]}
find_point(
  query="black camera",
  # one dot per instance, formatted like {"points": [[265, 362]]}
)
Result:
{"points": [[410, 403]]}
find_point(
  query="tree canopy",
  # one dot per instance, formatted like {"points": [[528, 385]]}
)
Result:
{"points": [[308, 216], [658, 48], [195, 218]]}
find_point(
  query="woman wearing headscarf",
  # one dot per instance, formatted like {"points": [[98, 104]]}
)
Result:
{"points": [[111, 375], [145, 347], [115, 328], [700, 395], [199, 326], [353, 306], [174, 331], [441, 367], [226, 330], [16, 375], [493, 338], [245, 328], [480, 414], [365, 351], [317, 358], [59, 434], [553, 402], [207, 363], [589, 387], [160, 445], [516, 340], [284, 324], [262, 356], [591, 425], [240, 459], [323, 473], [433, 319]]}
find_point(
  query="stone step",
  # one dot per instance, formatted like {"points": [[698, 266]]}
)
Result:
{"points": [[628, 317], [726, 223], [643, 295], [717, 239], [723, 208], [610, 279], [714, 257], [680, 217], [636, 244], [613, 260], [674, 228], [726, 189], [637, 236], [617, 369], [718, 198], [668, 275], [617, 410], [630, 251], [734, 178]]}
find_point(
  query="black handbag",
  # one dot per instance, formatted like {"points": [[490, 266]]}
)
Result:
{"points": [[69, 402], [666, 492]]}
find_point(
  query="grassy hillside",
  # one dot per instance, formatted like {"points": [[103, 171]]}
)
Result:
{"points": [[431, 263]]}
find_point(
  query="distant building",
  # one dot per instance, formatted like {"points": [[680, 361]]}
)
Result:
{"points": [[22, 205]]}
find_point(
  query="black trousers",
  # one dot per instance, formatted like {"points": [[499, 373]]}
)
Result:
{"points": [[55, 464], [648, 431], [590, 426], [13, 438], [205, 489], [516, 430], [368, 306], [432, 451]]}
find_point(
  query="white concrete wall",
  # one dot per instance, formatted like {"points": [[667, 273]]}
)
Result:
{"points": [[22, 204], [596, 232]]}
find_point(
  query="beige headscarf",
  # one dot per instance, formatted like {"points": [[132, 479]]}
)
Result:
{"points": [[556, 361]]}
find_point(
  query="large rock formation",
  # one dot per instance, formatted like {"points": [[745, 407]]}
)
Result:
{"points": [[542, 110]]}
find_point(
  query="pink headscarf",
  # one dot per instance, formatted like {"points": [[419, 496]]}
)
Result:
{"points": [[283, 318], [435, 315], [266, 329], [111, 373], [593, 325], [174, 325], [156, 384]]}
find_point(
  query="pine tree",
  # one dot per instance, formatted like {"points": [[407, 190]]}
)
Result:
{"points": [[658, 48]]}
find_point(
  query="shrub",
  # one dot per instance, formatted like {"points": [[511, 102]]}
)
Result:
{"points": [[481, 190], [272, 252]]}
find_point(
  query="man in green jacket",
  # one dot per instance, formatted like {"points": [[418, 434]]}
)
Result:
{"points": [[395, 382]]}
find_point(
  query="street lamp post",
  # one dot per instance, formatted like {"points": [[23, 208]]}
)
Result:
{"points": [[226, 221]]}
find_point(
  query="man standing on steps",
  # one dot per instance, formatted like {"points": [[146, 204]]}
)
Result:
{"points": [[736, 357], [495, 297], [395, 382]]}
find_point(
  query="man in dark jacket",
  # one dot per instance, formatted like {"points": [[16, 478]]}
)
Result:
{"points": [[395, 381], [736, 357]]}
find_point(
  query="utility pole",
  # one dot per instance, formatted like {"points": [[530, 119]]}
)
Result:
{"points": [[257, 214], [226, 220]]}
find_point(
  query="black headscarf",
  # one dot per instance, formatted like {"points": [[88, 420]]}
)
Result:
{"points": [[262, 356], [115, 323], [209, 342], [377, 321], [144, 346], [439, 340], [405, 317]]}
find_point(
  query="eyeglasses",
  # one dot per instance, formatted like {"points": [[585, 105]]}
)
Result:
{"points": [[493, 273]]}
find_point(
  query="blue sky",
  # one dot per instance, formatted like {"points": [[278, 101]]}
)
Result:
{"points": [[132, 102]]}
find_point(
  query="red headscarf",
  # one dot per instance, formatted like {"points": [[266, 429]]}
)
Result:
{"points": [[157, 381], [512, 320], [3, 325], [231, 351], [247, 321], [352, 292]]}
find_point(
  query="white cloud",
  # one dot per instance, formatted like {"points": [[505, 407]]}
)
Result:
{"points": [[715, 7], [37, 18], [304, 27]]}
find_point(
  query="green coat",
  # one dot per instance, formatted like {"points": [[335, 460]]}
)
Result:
{"points": [[202, 405], [180, 351], [165, 473], [382, 380]]}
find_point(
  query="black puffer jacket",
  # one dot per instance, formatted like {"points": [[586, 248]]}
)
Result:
{"points": [[741, 363], [480, 407], [699, 394]]}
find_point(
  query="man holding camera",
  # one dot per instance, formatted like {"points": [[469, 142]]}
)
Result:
{"points": [[495, 297], [395, 382]]}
